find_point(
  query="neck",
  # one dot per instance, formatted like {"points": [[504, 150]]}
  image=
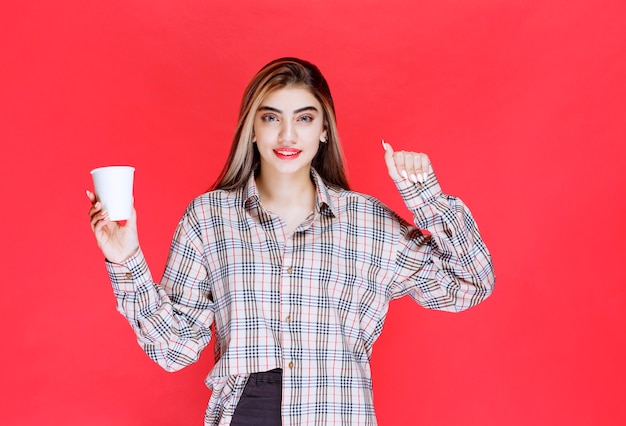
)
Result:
{"points": [[283, 191]]}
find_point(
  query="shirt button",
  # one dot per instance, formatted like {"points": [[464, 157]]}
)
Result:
{"points": [[288, 319], [128, 275], [290, 364], [289, 270]]}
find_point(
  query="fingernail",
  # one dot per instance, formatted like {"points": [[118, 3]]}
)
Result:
{"points": [[88, 193], [384, 145], [404, 175], [420, 178], [413, 178]]}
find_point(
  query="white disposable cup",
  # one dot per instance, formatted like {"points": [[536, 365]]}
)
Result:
{"points": [[114, 189]]}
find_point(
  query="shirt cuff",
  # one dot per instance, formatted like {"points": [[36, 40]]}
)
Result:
{"points": [[418, 195], [128, 276]]}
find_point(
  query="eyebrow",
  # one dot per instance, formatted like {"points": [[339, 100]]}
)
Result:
{"points": [[297, 111]]}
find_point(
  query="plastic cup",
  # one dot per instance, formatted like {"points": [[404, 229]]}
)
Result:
{"points": [[114, 189]]}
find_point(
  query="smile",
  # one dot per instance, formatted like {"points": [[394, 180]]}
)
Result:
{"points": [[287, 153]]}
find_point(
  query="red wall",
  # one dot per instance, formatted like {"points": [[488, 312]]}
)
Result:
{"points": [[521, 106]]}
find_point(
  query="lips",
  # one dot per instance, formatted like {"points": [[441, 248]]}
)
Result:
{"points": [[287, 153]]}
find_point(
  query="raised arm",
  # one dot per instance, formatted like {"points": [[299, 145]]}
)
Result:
{"points": [[448, 267]]}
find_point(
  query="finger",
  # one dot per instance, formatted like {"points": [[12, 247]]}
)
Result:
{"points": [[95, 209], [102, 232], [102, 215], [413, 166], [91, 196], [399, 161], [391, 164], [99, 220], [426, 169], [417, 161]]}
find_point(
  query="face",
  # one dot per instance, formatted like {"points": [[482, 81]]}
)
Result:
{"points": [[288, 127]]}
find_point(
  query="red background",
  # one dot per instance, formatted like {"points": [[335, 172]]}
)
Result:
{"points": [[521, 106]]}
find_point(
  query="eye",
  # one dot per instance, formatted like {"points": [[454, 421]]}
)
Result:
{"points": [[269, 118], [306, 118]]}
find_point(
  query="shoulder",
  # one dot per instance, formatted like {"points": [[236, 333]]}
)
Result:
{"points": [[208, 212], [213, 203], [217, 197]]}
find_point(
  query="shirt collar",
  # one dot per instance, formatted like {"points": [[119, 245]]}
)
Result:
{"points": [[323, 202]]}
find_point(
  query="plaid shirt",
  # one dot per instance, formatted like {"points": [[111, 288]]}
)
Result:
{"points": [[312, 303]]}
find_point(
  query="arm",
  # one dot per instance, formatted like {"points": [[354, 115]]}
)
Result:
{"points": [[172, 320], [448, 267]]}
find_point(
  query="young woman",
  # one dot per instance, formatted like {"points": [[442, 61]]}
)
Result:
{"points": [[288, 270]]}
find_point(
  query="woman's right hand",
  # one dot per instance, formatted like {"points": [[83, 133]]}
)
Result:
{"points": [[118, 241]]}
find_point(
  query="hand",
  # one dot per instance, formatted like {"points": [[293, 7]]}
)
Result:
{"points": [[412, 166], [118, 241]]}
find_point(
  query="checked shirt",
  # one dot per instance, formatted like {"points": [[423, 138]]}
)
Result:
{"points": [[312, 303]]}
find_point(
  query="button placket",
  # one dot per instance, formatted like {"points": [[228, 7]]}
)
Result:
{"points": [[285, 307]]}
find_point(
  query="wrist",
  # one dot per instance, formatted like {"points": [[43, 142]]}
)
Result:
{"points": [[121, 259]]}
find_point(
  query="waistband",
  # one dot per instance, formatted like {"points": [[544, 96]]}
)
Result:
{"points": [[272, 376]]}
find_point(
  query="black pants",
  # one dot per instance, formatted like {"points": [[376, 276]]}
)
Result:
{"points": [[260, 403]]}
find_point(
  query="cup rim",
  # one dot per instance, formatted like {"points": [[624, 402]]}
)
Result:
{"points": [[97, 169]]}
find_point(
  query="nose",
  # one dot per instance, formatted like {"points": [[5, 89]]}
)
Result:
{"points": [[287, 132]]}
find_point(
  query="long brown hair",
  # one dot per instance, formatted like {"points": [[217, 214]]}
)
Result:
{"points": [[244, 158]]}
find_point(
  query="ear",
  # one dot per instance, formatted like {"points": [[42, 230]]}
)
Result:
{"points": [[324, 135]]}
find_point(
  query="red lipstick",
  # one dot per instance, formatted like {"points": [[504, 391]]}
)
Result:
{"points": [[287, 153]]}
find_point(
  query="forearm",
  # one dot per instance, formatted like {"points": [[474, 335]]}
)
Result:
{"points": [[166, 333], [459, 272]]}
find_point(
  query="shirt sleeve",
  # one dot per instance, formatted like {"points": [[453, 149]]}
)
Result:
{"points": [[172, 320], [442, 261]]}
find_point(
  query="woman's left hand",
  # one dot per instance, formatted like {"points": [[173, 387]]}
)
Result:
{"points": [[412, 166]]}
